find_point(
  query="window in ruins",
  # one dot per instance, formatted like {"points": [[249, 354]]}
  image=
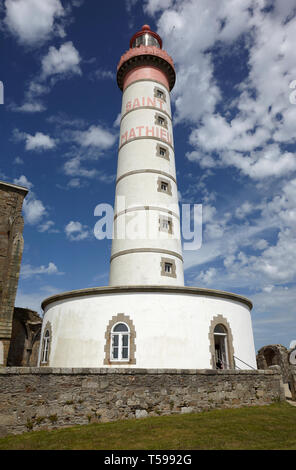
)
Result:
{"points": [[45, 347]]}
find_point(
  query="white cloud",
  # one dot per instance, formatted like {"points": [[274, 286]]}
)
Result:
{"points": [[33, 208], [39, 141], [36, 142], [154, 6], [95, 136], [250, 132], [28, 107], [75, 231], [34, 21], [28, 271], [74, 183], [48, 226], [62, 61], [73, 168], [102, 74], [23, 181], [57, 64], [18, 161]]}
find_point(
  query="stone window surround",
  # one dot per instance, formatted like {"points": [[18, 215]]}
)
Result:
{"points": [[162, 265], [169, 186], [47, 328], [120, 318], [169, 220], [165, 121], [167, 153], [156, 90], [220, 320]]}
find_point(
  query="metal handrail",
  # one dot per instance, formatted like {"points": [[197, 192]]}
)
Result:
{"points": [[244, 362]]}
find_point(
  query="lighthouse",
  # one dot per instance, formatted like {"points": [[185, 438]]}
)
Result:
{"points": [[148, 251], [146, 317]]}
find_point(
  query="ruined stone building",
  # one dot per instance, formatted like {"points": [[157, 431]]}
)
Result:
{"points": [[11, 249], [278, 355], [25, 338], [274, 355]]}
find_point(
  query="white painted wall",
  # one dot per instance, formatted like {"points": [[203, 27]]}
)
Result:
{"points": [[146, 266], [143, 89], [171, 329], [141, 189], [140, 154]]}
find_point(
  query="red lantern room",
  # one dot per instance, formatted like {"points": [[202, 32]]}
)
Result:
{"points": [[146, 60], [146, 37]]}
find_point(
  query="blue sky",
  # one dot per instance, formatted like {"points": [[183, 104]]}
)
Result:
{"points": [[234, 131]]}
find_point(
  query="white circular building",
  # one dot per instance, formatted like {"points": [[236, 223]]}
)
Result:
{"points": [[146, 317]]}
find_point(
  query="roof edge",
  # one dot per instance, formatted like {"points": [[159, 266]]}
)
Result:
{"points": [[145, 289], [14, 186]]}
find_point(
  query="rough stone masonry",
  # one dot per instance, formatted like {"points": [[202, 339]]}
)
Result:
{"points": [[33, 398], [11, 249]]}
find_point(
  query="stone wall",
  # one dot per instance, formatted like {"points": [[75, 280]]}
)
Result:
{"points": [[45, 398], [11, 249]]}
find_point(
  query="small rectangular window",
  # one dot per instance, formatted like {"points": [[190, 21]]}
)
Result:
{"points": [[159, 94], [165, 224], [164, 186], [168, 267], [161, 120], [162, 151]]}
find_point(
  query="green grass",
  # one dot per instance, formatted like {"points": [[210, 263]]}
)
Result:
{"points": [[250, 428]]}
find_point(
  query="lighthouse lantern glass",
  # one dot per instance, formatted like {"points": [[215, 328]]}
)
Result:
{"points": [[145, 40]]}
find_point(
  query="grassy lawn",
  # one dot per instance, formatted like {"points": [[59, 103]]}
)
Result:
{"points": [[254, 428]]}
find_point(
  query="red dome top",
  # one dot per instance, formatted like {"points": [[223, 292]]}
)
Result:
{"points": [[145, 30]]}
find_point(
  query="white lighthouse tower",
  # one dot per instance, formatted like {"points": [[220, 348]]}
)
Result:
{"points": [[146, 203], [146, 317]]}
